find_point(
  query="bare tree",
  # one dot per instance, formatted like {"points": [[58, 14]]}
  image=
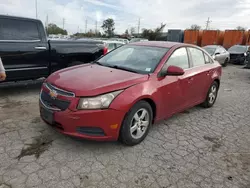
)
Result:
{"points": [[240, 28], [132, 30], [195, 27]]}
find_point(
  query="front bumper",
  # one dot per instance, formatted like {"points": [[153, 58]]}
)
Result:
{"points": [[100, 125], [237, 60]]}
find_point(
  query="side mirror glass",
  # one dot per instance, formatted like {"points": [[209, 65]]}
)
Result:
{"points": [[172, 71]]}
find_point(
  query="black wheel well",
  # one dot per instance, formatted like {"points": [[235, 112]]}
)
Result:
{"points": [[153, 106], [218, 82]]}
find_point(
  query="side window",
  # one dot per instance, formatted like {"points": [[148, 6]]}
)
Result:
{"points": [[207, 59], [197, 57], [111, 46], [12, 29], [179, 58]]}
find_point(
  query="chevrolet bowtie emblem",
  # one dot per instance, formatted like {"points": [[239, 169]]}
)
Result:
{"points": [[53, 94]]}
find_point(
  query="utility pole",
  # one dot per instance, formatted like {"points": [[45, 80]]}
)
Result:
{"points": [[208, 23], [63, 22], [139, 24], [96, 27], [86, 25], [47, 21], [36, 7]]}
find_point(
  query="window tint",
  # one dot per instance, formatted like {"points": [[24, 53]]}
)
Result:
{"points": [[179, 58], [11, 29], [197, 57]]}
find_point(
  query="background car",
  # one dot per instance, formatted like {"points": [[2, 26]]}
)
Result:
{"points": [[238, 54], [218, 53], [111, 45], [137, 40]]}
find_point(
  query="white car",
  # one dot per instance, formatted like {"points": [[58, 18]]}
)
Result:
{"points": [[111, 45]]}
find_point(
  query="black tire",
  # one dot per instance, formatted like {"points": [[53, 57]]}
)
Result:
{"points": [[125, 133], [207, 103], [225, 63], [74, 63]]}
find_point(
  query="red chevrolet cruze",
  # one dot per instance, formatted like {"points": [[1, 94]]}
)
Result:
{"points": [[124, 92]]}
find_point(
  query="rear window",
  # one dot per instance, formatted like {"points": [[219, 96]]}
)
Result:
{"points": [[12, 29]]}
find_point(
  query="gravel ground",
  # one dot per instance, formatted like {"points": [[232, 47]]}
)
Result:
{"points": [[196, 148]]}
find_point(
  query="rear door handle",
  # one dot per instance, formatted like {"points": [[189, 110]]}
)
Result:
{"points": [[40, 48]]}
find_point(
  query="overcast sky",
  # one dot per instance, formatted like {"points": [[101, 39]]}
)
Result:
{"points": [[225, 14]]}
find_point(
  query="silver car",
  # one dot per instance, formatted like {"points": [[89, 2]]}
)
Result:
{"points": [[218, 53]]}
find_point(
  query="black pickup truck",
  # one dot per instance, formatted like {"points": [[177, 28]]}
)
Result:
{"points": [[27, 54]]}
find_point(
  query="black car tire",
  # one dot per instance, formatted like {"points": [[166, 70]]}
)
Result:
{"points": [[225, 63], [207, 103], [125, 133]]}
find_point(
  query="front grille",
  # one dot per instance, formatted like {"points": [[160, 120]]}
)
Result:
{"points": [[91, 131], [59, 91], [236, 56], [54, 103]]}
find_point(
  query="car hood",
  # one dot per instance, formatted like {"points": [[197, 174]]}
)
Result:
{"points": [[92, 79]]}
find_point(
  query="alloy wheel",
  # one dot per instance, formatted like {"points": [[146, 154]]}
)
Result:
{"points": [[139, 123], [212, 95]]}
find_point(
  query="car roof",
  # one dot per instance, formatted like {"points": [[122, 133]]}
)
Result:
{"points": [[113, 41], [212, 46], [18, 17], [163, 44]]}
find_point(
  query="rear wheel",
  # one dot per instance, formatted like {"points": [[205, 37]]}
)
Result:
{"points": [[225, 62], [136, 124], [211, 95]]}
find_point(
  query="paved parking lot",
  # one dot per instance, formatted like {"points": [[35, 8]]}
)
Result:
{"points": [[196, 148]]}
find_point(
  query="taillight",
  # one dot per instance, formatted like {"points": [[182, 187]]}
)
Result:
{"points": [[105, 50]]}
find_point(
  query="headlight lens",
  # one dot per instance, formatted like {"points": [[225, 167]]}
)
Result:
{"points": [[245, 54], [213, 56], [99, 102]]}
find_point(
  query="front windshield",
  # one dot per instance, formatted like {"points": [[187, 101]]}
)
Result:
{"points": [[140, 59], [210, 50], [237, 48]]}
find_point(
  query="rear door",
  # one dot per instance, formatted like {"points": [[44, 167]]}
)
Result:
{"points": [[23, 48], [199, 75]]}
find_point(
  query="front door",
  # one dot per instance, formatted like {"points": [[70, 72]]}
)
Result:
{"points": [[173, 93]]}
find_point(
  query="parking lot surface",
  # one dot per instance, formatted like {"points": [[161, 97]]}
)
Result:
{"points": [[196, 148]]}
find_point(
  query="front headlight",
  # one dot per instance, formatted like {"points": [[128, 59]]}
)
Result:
{"points": [[99, 102], [213, 56], [245, 54]]}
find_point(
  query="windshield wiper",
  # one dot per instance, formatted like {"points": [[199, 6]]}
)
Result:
{"points": [[123, 68], [98, 63]]}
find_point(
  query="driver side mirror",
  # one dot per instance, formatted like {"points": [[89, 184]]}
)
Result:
{"points": [[172, 71], [217, 53]]}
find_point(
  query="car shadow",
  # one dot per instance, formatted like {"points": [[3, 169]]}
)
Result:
{"points": [[11, 88]]}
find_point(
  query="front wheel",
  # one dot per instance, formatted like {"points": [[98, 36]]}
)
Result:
{"points": [[211, 95], [136, 124]]}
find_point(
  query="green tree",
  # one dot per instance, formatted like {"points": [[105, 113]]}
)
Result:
{"points": [[109, 26], [152, 34], [195, 27], [54, 29], [126, 32]]}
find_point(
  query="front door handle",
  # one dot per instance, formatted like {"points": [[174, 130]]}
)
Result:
{"points": [[190, 80], [40, 48]]}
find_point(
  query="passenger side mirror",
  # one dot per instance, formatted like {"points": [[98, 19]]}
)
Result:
{"points": [[172, 71]]}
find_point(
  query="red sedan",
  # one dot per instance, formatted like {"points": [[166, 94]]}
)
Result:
{"points": [[124, 92]]}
